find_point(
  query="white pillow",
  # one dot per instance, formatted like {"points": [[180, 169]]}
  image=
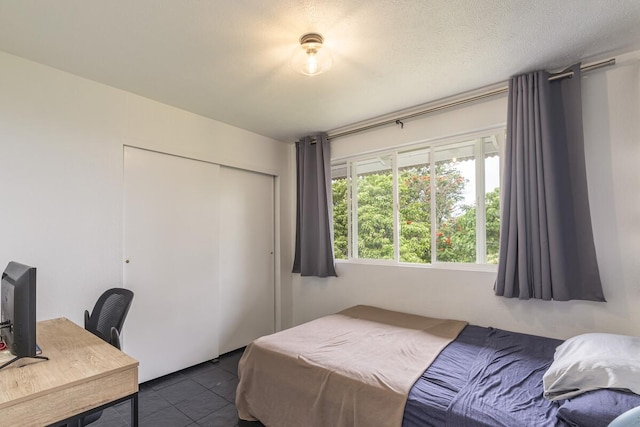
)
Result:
{"points": [[593, 361]]}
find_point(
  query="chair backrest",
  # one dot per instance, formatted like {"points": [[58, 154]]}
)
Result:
{"points": [[109, 312]]}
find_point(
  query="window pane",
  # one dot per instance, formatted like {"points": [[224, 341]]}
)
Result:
{"points": [[455, 203], [414, 186], [375, 208], [339, 183], [464, 214], [492, 198]]}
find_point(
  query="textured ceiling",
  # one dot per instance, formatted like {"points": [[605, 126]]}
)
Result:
{"points": [[229, 60]]}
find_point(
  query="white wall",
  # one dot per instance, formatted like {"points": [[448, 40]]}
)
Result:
{"points": [[61, 154], [61, 140], [611, 100]]}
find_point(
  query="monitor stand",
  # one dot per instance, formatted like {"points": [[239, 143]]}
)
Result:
{"points": [[4, 365]]}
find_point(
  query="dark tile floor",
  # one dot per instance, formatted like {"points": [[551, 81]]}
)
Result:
{"points": [[200, 396]]}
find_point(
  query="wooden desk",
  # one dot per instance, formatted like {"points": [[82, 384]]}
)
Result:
{"points": [[83, 373]]}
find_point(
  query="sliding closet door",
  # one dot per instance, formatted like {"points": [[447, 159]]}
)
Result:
{"points": [[171, 218], [247, 307]]}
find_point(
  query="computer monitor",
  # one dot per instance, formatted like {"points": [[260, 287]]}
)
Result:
{"points": [[18, 310]]}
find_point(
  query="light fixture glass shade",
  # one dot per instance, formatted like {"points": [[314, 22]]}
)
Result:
{"points": [[311, 57]]}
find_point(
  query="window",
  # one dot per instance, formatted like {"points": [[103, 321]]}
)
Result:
{"points": [[434, 203], [341, 223]]}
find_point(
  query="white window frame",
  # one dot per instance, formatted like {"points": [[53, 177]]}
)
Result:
{"points": [[352, 203]]}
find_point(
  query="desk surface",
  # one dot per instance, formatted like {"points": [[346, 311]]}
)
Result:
{"points": [[82, 372]]}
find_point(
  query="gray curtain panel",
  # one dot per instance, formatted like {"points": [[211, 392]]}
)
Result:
{"points": [[314, 213], [546, 240]]}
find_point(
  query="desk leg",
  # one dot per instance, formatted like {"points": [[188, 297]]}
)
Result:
{"points": [[134, 410]]}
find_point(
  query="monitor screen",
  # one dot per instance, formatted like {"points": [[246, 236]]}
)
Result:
{"points": [[18, 309]]}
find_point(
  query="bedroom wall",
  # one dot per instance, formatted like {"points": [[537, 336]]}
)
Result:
{"points": [[61, 151], [611, 109]]}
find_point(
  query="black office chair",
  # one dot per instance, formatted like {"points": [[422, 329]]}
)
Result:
{"points": [[109, 314], [105, 321]]}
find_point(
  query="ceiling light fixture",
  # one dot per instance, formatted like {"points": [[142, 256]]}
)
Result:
{"points": [[311, 57]]}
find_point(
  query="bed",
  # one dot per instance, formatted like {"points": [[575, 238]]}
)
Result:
{"points": [[366, 366]]}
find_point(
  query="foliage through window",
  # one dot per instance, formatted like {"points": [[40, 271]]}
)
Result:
{"points": [[435, 203]]}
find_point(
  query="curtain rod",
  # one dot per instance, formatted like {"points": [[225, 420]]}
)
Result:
{"points": [[504, 89]]}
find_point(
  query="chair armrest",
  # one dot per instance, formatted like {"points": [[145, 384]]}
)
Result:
{"points": [[86, 318], [115, 338]]}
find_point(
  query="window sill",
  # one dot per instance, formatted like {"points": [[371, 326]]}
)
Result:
{"points": [[492, 268]]}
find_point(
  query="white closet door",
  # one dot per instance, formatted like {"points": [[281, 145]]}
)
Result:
{"points": [[171, 218], [247, 296]]}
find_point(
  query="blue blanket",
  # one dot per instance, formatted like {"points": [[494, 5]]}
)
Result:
{"points": [[433, 392], [491, 377], [505, 384], [486, 377]]}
